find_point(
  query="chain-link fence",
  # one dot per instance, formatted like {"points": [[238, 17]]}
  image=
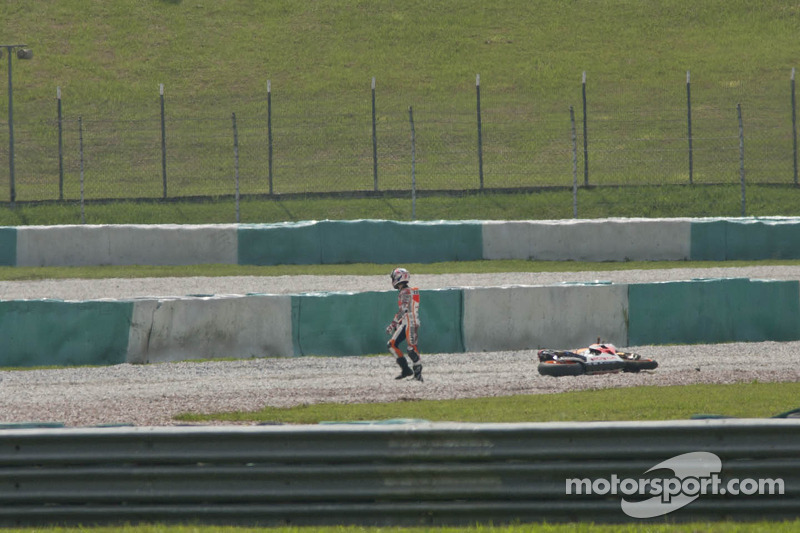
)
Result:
{"points": [[626, 134]]}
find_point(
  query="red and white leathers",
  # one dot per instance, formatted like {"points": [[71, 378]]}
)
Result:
{"points": [[406, 322], [405, 327]]}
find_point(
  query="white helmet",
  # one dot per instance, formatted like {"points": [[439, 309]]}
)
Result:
{"points": [[399, 275]]}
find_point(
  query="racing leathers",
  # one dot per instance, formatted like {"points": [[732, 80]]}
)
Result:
{"points": [[405, 327]]}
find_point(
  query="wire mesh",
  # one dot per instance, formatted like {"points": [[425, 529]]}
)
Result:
{"points": [[636, 136]]}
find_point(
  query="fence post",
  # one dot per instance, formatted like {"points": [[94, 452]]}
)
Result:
{"points": [[413, 165], [374, 141], [163, 140], [236, 162], [60, 147], [741, 156], [480, 132], [689, 123], [585, 138], [80, 144], [574, 163], [269, 133], [794, 132]]}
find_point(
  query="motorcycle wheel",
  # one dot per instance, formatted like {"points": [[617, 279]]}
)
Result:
{"points": [[564, 368], [640, 364]]}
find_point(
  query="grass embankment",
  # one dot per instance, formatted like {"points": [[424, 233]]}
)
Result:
{"points": [[636, 403], [109, 58], [651, 202]]}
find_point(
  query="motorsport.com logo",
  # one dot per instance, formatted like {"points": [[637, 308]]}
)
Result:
{"points": [[695, 474]]}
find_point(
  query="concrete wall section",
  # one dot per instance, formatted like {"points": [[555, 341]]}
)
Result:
{"points": [[210, 327], [588, 240], [559, 316], [55, 332], [359, 241], [126, 245]]}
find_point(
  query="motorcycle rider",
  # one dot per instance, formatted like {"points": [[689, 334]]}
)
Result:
{"points": [[405, 325]]}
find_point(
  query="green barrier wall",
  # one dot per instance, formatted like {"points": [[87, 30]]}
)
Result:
{"points": [[8, 246], [275, 244], [359, 241], [713, 311], [729, 240], [708, 241], [355, 323], [52, 332]]}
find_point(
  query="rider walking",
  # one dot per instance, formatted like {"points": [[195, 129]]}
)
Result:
{"points": [[405, 325]]}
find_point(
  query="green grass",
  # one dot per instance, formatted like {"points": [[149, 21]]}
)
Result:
{"points": [[215, 59], [637, 403], [600, 202]]}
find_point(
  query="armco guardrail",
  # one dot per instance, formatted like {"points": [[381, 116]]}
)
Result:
{"points": [[400, 474], [376, 241]]}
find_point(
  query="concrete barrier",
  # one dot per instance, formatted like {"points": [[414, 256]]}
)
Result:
{"points": [[126, 245], [588, 240], [523, 318], [43, 332], [210, 327], [389, 242]]}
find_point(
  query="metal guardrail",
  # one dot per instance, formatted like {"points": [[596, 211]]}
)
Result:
{"points": [[406, 474]]}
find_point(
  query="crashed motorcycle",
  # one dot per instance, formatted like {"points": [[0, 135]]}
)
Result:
{"points": [[600, 358]]}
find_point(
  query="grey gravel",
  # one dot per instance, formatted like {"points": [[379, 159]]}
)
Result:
{"points": [[151, 395], [76, 289]]}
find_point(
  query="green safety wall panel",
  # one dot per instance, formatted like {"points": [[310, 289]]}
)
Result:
{"points": [[359, 241], [729, 240], [53, 332], [8, 246], [713, 311], [355, 323]]}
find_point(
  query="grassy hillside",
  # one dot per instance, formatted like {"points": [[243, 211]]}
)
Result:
{"points": [[215, 59]]}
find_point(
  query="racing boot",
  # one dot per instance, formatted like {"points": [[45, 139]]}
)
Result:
{"points": [[405, 371], [417, 366]]}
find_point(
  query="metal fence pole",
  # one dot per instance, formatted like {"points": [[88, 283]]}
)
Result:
{"points": [[374, 141], [585, 137], [574, 163], [60, 147], [689, 123], [163, 140], [236, 162], [480, 129], [413, 165], [741, 156], [269, 132], [12, 190], [794, 131], [80, 144]]}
